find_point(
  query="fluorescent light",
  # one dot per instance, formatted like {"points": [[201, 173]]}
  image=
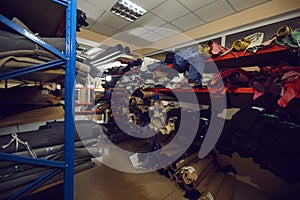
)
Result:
{"points": [[128, 10]]}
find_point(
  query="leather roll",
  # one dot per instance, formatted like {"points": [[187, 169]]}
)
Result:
{"points": [[283, 31], [240, 45], [215, 183], [191, 173], [227, 188]]}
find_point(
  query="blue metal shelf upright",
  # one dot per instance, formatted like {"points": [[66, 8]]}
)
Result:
{"points": [[69, 59]]}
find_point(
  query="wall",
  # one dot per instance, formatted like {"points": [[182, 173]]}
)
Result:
{"points": [[256, 14]]}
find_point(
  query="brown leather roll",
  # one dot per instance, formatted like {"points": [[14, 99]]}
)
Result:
{"points": [[215, 183], [240, 45], [283, 31], [191, 173], [227, 188]]}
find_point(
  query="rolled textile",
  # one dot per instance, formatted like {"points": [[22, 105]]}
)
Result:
{"points": [[22, 180], [8, 177], [19, 183], [210, 167], [35, 54], [227, 188], [175, 168], [45, 151], [215, 184], [192, 171], [79, 153], [203, 184], [48, 136], [11, 42], [184, 161]]}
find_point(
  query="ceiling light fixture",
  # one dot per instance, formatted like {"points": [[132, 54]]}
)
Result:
{"points": [[128, 10]]}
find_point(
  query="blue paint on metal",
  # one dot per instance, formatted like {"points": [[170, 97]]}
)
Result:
{"points": [[32, 37], [30, 69], [69, 99], [69, 58], [61, 2], [29, 160], [35, 184]]}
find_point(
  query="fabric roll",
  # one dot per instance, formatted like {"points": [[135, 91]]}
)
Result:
{"points": [[37, 54], [4, 179], [19, 184], [9, 169], [282, 34], [227, 188], [45, 151], [50, 136], [203, 184], [185, 161], [240, 45], [209, 168], [11, 42], [22, 180], [215, 184], [192, 171]]}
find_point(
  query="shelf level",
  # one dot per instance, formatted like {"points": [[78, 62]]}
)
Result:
{"points": [[263, 57]]}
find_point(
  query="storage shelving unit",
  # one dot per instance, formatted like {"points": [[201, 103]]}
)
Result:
{"points": [[67, 58]]}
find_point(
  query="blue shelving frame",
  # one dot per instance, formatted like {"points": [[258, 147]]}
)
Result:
{"points": [[69, 59]]}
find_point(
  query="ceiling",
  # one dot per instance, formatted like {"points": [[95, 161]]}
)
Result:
{"points": [[163, 19]]}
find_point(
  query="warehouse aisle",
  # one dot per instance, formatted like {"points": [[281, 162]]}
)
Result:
{"points": [[104, 183]]}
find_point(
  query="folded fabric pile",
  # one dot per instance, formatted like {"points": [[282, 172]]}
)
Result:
{"points": [[270, 138]]}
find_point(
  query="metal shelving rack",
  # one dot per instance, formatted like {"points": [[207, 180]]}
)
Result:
{"points": [[69, 59]]}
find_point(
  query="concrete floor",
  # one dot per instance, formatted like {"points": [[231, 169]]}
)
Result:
{"points": [[105, 183]]}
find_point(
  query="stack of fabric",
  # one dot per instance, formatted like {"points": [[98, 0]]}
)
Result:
{"points": [[46, 143], [270, 138]]}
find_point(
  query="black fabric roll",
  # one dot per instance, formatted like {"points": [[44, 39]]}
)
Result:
{"points": [[79, 153], [10, 42], [18, 185], [50, 135], [43, 152]]}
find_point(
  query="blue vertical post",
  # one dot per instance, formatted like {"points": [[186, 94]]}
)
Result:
{"points": [[69, 99]]}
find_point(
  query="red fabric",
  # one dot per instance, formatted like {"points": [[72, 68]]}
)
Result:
{"points": [[291, 90], [257, 94], [216, 49]]}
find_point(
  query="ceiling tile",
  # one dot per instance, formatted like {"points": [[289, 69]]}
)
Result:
{"points": [[214, 11], [91, 22], [195, 4], [138, 31], [134, 29], [92, 11], [241, 5], [103, 29], [132, 39], [167, 30], [170, 10], [104, 4], [148, 5], [185, 22], [150, 20], [113, 20], [152, 36]]}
